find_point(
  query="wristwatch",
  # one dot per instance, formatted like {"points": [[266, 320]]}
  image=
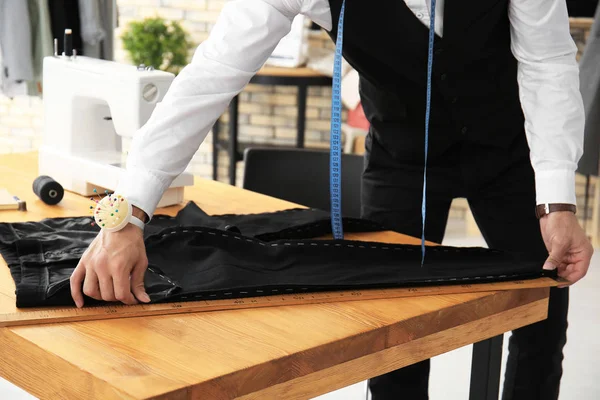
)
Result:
{"points": [[114, 212], [547, 208]]}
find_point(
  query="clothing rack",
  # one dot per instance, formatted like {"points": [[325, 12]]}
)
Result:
{"points": [[28, 29]]}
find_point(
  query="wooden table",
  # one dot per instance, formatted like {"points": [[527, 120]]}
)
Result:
{"points": [[302, 78], [294, 352]]}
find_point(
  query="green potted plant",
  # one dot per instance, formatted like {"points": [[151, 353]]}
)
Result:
{"points": [[157, 43]]}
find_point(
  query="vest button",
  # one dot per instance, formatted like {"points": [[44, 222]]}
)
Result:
{"points": [[438, 52], [443, 77], [454, 100], [464, 130]]}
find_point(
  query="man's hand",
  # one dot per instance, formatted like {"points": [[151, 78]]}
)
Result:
{"points": [[570, 250], [112, 268]]}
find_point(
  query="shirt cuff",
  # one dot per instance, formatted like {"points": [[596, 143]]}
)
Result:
{"points": [[141, 189], [556, 186]]}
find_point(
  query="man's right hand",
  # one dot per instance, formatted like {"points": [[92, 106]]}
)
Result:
{"points": [[112, 268]]}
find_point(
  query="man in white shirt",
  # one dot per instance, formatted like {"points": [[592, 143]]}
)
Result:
{"points": [[506, 132]]}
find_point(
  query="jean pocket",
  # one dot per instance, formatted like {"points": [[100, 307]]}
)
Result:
{"points": [[156, 283]]}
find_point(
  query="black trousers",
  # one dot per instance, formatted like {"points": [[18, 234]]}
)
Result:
{"points": [[499, 186]]}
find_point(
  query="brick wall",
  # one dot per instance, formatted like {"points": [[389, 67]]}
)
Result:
{"points": [[267, 114], [21, 122]]}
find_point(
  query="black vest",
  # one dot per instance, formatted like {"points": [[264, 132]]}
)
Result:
{"points": [[475, 92]]}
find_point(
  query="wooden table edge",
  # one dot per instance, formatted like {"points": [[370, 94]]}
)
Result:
{"points": [[31, 376], [400, 356], [496, 313], [395, 335]]}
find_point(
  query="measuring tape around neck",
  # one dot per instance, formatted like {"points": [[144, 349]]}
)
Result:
{"points": [[335, 139], [335, 157], [427, 114]]}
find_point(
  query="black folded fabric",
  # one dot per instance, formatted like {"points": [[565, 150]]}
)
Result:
{"points": [[195, 256]]}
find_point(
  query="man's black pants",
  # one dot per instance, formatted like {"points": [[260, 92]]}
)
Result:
{"points": [[499, 186]]}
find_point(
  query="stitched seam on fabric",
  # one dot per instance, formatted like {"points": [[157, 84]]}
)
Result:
{"points": [[386, 247], [261, 292], [45, 282], [162, 276]]}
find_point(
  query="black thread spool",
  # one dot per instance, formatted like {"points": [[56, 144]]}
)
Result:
{"points": [[48, 190]]}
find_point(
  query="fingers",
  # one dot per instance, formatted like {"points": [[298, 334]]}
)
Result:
{"points": [[558, 254], [91, 287], [578, 269], [105, 281], [99, 285], [76, 281], [137, 280], [123, 288], [562, 268], [112, 284], [571, 274]]}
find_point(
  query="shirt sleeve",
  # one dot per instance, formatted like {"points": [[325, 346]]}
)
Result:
{"points": [[244, 36], [548, 76]]}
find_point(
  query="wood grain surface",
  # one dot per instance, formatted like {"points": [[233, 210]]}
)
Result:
{"points": [[11, 316], [581, 22], [290, 352], [301, 72]]}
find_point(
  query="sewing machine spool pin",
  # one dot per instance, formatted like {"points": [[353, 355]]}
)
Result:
{"points": [[68, 42]]}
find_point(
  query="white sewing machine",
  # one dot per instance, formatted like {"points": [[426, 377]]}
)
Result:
{"points": [[89, 106]]}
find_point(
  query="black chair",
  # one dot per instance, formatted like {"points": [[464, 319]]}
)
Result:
{"points": [[302, 177]]}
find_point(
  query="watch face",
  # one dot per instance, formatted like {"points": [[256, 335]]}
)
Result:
{"points": [[112, 213]]}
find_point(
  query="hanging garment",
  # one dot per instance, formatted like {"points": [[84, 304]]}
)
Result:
{"points": [[64, 14], [590, 92], [108, 16], [195, 256], [15, 46], [92, 31], [41, 42]]}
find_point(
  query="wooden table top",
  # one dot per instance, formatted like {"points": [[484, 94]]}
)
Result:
{"points": [[300, 72], [293, 352], [581, 22]]}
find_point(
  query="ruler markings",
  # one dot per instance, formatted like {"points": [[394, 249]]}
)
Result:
{"points": [[113, 311]]}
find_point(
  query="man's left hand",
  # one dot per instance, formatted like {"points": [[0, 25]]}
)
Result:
{"points": [[569, 248]]}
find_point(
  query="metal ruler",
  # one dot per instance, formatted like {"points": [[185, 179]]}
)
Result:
{"points": [[73, 314]]}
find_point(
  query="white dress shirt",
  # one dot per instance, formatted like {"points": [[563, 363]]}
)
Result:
{"points": [[247, 32]]}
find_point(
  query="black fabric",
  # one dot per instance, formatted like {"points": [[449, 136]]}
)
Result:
{"points": [[64, 14], [474, 80], [499, 186], [195, 256], [582, 8]]}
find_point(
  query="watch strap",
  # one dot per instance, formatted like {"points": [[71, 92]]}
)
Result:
{"points": [[547, 208], [137, 222]]}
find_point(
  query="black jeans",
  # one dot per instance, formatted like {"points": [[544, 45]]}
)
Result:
{"points": [[499, 186]]}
